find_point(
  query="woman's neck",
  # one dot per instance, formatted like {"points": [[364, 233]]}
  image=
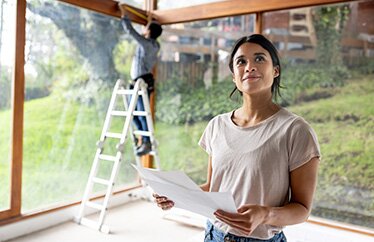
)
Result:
{"points": [[254, 110]]}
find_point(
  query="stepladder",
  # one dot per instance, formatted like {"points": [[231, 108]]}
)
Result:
{"points": [[122, 105]]}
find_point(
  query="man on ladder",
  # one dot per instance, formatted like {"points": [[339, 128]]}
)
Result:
{"points": [[142, 65], [137, 109]]}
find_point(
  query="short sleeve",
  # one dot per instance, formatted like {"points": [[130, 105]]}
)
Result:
{"points": [[303, 144], [206, 138]]}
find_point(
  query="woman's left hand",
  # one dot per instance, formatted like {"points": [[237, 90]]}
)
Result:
{"points": [[246, 219]]}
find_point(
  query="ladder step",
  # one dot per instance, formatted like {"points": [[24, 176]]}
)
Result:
{"points": [[101, 181], [120, 113], [140, 113], [142, 133], [94, 205], [113, 135], [128, 92], [107, 157], [126, 113]]}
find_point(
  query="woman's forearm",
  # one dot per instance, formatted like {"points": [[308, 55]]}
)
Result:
{"points": [[289, 214]]}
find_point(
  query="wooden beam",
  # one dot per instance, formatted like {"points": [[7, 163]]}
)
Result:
{"points": [[259, 23], [106, 7], [17, 110], [232, 8]]}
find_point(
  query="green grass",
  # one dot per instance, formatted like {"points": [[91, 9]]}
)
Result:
{"points": [[60, 137], [345, 127], [59, 146]]}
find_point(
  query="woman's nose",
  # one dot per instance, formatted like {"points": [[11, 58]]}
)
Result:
{"points": [[249, 67]]}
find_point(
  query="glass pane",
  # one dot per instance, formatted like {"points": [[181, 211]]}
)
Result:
{"points": [[193, 85], [328, 63], [169, 4], [74, 57], [7, 33]]}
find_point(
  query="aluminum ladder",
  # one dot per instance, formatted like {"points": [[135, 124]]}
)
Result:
{"points": [[130, 98]]}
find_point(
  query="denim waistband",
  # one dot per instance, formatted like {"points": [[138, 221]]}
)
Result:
{"points": [[212, 234]]}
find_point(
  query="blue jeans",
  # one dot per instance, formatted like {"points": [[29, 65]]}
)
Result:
{"points": [[214, 235]]}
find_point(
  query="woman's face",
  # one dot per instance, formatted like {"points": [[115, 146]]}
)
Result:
{"points": [[253, 71]]}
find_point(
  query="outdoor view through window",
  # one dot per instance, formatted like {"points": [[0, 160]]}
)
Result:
{"points": [[74, 56], [327, 68]]}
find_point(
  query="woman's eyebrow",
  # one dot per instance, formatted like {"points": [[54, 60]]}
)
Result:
{"points": [[240, 56], [259, 53]]}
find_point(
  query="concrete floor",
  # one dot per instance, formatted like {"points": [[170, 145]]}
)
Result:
{"points": [[142, 221]]}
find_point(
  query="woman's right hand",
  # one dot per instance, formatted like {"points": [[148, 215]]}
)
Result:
{"points": [[163, 202]]}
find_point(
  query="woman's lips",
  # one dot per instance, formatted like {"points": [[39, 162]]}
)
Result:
{"points": [[250, 78]]}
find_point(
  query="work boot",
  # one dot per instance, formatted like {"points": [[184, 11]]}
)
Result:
{"points": [[144, 149]]}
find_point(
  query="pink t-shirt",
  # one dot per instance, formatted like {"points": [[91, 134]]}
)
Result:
{"points": [[254, 163]]}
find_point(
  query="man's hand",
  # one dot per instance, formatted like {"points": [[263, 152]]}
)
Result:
{"points": [[247, 219], [123, 10]]}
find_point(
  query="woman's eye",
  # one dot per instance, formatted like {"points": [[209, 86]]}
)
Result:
{"points": [[259, 58], [240, 62]]}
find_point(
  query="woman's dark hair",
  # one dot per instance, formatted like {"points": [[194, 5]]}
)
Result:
{"points": [[155, 30], [267, 45]]}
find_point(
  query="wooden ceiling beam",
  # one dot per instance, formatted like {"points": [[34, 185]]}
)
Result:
{"points": [[108, 7], [201, 11], [232, 8]]}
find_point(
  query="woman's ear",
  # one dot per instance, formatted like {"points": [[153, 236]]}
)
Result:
{"points": [[233, 77], [276, 71]]}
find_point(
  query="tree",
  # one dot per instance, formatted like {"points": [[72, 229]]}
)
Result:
{"points": [[329, 22], [94, 35]]}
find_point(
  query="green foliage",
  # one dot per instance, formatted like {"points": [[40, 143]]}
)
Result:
{"points": [[301, 78], [178, 105], [364, 66], [122, 55], [328, 23], [5, 87], [68, 72]]}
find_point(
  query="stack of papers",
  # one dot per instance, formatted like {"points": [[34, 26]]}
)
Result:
{"points": [[178, 187]]}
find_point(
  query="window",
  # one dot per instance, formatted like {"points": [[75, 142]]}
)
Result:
{"points": [[327, 69], [70, 70], [7, 28], [328, 59]]}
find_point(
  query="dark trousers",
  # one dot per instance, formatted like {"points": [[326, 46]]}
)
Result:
{"points": [[141, 121]]}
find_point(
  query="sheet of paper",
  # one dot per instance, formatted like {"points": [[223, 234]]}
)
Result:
{"points": [[185, 194]]}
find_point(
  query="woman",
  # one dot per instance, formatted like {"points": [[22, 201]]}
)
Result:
{"points": [[266, 156]]}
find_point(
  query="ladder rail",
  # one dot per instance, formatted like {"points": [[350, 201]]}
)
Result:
{"points": [[116, 164], [147, 109], [139, 91], [108, 117], [95, 165], [126, 104]]}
